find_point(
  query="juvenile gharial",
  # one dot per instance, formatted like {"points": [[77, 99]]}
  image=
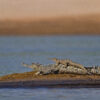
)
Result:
{"points": [[60, 61], [53, 69], [72, 70], [42, 70], [67, 62]]}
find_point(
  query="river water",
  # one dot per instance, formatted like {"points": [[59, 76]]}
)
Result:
{"points": [[15, 50]]}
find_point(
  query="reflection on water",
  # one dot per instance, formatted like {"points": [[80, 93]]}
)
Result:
{"points": [[50, 94], [14, 50]]}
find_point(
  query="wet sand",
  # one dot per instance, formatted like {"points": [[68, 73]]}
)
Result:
{"points": [[30, 80]]}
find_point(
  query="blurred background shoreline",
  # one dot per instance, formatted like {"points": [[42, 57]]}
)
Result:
{"points": [[66, 25], [49, 17]]}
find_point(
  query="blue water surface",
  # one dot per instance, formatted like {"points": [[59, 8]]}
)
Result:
{"points": [[15, 50]]}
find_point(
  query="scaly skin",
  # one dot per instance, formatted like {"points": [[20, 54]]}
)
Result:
{"points": [[53, 69], [67, 62], [49, 69]]}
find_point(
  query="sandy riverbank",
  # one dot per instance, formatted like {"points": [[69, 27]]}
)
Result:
{"points": [[29, 79]]}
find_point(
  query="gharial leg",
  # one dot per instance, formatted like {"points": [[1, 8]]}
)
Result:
{"points": [[38, 73]]}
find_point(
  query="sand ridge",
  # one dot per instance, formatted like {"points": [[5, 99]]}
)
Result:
{"points": [[32, 76]]}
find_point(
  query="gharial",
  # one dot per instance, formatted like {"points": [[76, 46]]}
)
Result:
{"points": [[67, 62], [63, 66], [41, 69]]}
